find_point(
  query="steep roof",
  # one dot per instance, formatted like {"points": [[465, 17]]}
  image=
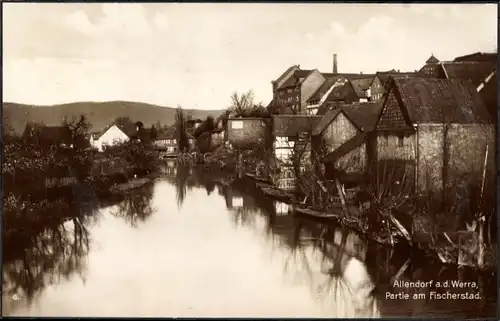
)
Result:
{"points": [[385, 75], [345, 148], [325, 87], [361, 85], [280, 78], [432, 60], [128, 129], [292, 125], [363, 115], [478, 56], [474, 71], [296, 79], [329, 105], [348, 75], [430, 100]]}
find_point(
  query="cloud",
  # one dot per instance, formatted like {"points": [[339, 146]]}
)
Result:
{"points": [[117, 20], [161, 21], [337, 29], [79, 21], [377, 26]]}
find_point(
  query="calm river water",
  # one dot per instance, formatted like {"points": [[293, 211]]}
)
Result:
{"points": [[193, 244]]}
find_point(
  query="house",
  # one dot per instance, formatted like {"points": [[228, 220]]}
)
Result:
{"points": [[286, 131], [291, 93], [341, 138], [192, 124], [335, 90], [246, 133], [478, 68], [48, 135], [477, 56], [362, 86], [208, 141], [441, 125], [166, 141], [378, 86], [191, 142], [291, 145], [114, 134], [218, 137], [338, 89]]}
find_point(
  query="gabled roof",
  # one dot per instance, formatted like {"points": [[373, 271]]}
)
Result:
{"points": [[430, 100], [363, 115], [345, 148], [329, 105], [293, 125], [349, 76], [478, 56], [474, 71], [296, 79], [432, 60], [325, 87], [361, 85], [385, 75], [129, 129], [280, 78]]}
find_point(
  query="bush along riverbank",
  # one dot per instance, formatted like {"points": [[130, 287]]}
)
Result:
{"points": [[386, 210], [49, 186]]}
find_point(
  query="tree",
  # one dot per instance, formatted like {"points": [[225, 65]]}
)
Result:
{"points": [[78, 131], [153, 133], [123, 121], [209, 123], [180, 129], [8, 130], [242, 104], [207, 126]]}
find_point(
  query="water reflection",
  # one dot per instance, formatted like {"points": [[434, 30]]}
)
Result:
{"points": [[136, 207], [56, 253], [329, 260], [222, 250]]}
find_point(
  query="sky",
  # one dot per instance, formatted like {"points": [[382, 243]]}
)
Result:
{"points": [[195, 55]]}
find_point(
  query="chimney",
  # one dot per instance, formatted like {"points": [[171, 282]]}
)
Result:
{"points": [[335, 64]]}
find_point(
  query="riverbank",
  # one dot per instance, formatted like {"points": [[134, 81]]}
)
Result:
{"points": [[23, 217], [459, 249]]}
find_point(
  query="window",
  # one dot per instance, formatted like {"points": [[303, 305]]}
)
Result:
{"points": [[237, 124], [401, 140]]}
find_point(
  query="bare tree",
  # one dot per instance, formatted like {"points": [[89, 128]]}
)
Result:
{"points": [[242, 104], [78, 130]]}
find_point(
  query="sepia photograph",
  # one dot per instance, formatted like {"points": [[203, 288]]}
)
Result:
{"points": [[279, 160]]}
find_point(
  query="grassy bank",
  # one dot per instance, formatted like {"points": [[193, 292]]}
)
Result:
{"points": [[44, 187]]}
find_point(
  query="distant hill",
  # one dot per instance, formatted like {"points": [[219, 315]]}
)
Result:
{"points": [[99, 114]]}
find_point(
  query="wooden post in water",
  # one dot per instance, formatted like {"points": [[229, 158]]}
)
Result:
{"points": [[480, 255], [341, 196], [240, 164]]}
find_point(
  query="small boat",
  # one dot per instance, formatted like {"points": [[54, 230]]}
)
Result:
{"points": [[262, 184], [277, 194], [317, 214], [257, 178]]}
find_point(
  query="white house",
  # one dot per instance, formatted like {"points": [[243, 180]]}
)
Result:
{"points": [[112, 136]]}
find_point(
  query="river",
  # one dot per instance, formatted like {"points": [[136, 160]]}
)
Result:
{"points": [[191, 244]]}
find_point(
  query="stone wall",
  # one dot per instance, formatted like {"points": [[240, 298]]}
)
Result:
{"points": [[246, 133]]}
